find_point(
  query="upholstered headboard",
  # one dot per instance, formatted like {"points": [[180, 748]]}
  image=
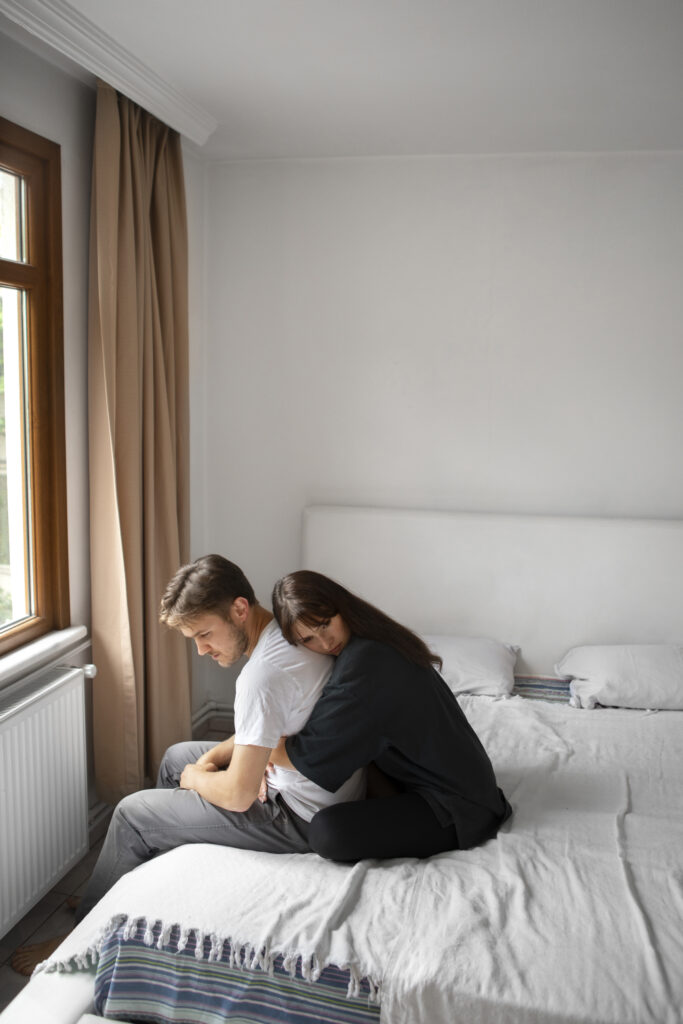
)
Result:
{"points": [[546, 583]]}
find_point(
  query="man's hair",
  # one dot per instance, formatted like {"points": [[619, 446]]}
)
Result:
{"points": [[210, 584]]}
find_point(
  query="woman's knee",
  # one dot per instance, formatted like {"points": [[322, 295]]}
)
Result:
{"points": [[329, 838]]}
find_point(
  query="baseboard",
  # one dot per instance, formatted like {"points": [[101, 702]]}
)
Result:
{"points": [[213, 718], [98, 821]]}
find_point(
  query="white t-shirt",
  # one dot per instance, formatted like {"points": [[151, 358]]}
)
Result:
{"points": [[275, 694]]}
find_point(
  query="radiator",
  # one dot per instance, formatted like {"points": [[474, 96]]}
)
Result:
{"points": [[43, 788]]}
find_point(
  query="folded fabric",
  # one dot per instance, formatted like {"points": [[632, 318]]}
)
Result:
{"points": [[475, 664], [625, 676], [236, 896]]}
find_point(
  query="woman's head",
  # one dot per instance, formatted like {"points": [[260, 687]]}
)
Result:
{"points": [[312, 610], [316, 611]]}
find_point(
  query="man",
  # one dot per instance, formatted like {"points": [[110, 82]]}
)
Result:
{"points": [[209, 793], [212, 602]]}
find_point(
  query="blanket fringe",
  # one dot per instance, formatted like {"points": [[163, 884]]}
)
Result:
{"points": [[353, 990], [244, 956]]}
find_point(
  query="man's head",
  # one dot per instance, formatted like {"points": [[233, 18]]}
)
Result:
{"points": [[209, 602]]}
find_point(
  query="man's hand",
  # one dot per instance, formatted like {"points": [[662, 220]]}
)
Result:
{"points": [[193, 773], [235, 789]]}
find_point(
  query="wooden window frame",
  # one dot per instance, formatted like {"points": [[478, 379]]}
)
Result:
{"points": [[38, 162]]}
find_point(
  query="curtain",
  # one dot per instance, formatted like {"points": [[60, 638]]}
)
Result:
{"points": [[138, 423]]}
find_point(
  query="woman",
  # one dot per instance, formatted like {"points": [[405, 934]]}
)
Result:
{"points": [[385, 703]]}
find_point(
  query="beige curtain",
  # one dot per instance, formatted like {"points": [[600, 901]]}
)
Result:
{"points": [[138, 388]]}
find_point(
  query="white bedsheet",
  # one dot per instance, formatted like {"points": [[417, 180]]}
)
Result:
{"points": [[574, 913]]}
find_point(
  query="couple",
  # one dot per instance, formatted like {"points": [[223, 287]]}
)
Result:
{"points": [[349, 688]]}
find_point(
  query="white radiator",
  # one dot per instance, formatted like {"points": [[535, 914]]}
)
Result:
{"points": [[43, 788]]}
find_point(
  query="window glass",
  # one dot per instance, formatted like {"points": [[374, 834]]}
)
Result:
{"points": [[34, 590], [16, 598], [12, 216]]}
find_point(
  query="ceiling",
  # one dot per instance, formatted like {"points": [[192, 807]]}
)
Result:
{"points": [[342, 78]]}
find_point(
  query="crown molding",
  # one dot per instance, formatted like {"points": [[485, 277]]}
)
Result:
{"points": [[58, 24]]}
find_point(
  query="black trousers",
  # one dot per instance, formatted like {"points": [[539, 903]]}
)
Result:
{"points": [[394, 826]]}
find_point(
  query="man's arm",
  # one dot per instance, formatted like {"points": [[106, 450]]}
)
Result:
{"points": [[280, 757], [234, 789], [220, 755]]}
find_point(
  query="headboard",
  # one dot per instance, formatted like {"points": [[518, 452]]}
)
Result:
{"points": [[546, 583]]}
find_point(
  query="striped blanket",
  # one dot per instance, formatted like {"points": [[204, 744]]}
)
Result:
{"points": [[137, 982]]}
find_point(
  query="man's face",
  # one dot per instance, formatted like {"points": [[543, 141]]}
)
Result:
{"points": [[224, 640]]}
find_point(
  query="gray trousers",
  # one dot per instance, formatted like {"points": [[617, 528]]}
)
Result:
{"points": [[153, 821]]}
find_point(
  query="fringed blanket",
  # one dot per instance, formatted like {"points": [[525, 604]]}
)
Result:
{"points": [[311, 912]]}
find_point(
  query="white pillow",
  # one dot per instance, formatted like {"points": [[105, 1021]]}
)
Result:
{"points": [[475, 665], [625, 676]]}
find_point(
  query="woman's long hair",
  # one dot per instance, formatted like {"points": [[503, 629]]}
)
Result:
{"points": [[311, 598]]}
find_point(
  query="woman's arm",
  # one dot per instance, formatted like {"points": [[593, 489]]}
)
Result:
{"points": [[346, 729]]}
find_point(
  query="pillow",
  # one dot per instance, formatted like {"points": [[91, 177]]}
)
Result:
{"points": [[475, 665], [625, 676]]}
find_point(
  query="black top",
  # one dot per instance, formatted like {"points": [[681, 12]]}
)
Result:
{"points": [[377, 706]]}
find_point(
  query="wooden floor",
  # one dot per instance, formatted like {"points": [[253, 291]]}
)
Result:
{"points": [[48, 919]]}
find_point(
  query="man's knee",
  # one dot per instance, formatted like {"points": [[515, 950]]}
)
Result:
{"points": [[132, 812], [177, 754], [172, 763]]}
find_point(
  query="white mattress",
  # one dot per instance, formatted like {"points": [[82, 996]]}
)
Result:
{"points": [[573, 914]]}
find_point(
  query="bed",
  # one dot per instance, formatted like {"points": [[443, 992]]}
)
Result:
{"points": [[562, 637]]}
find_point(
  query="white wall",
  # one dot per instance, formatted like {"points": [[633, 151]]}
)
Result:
{"points": [[46, 100], [498, 333], [460, 333], [206, 683], [493, 333]]}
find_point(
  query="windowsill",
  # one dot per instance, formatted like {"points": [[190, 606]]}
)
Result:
{"points": [[40, 653]]}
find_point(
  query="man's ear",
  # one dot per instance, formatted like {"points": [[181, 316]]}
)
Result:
{"points": [[239, 610]]}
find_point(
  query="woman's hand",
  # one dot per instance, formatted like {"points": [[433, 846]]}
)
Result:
{"points": [[263, 791]]}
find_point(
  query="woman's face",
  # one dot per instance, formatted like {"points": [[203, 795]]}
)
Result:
{"points": [[329, 637]]}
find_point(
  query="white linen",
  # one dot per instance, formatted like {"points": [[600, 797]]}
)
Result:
{"points": [[625, 675], [269, 904], [475, 664], [572, 914]]}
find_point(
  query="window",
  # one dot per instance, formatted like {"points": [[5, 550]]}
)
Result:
{"points": [[34, 594]]}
